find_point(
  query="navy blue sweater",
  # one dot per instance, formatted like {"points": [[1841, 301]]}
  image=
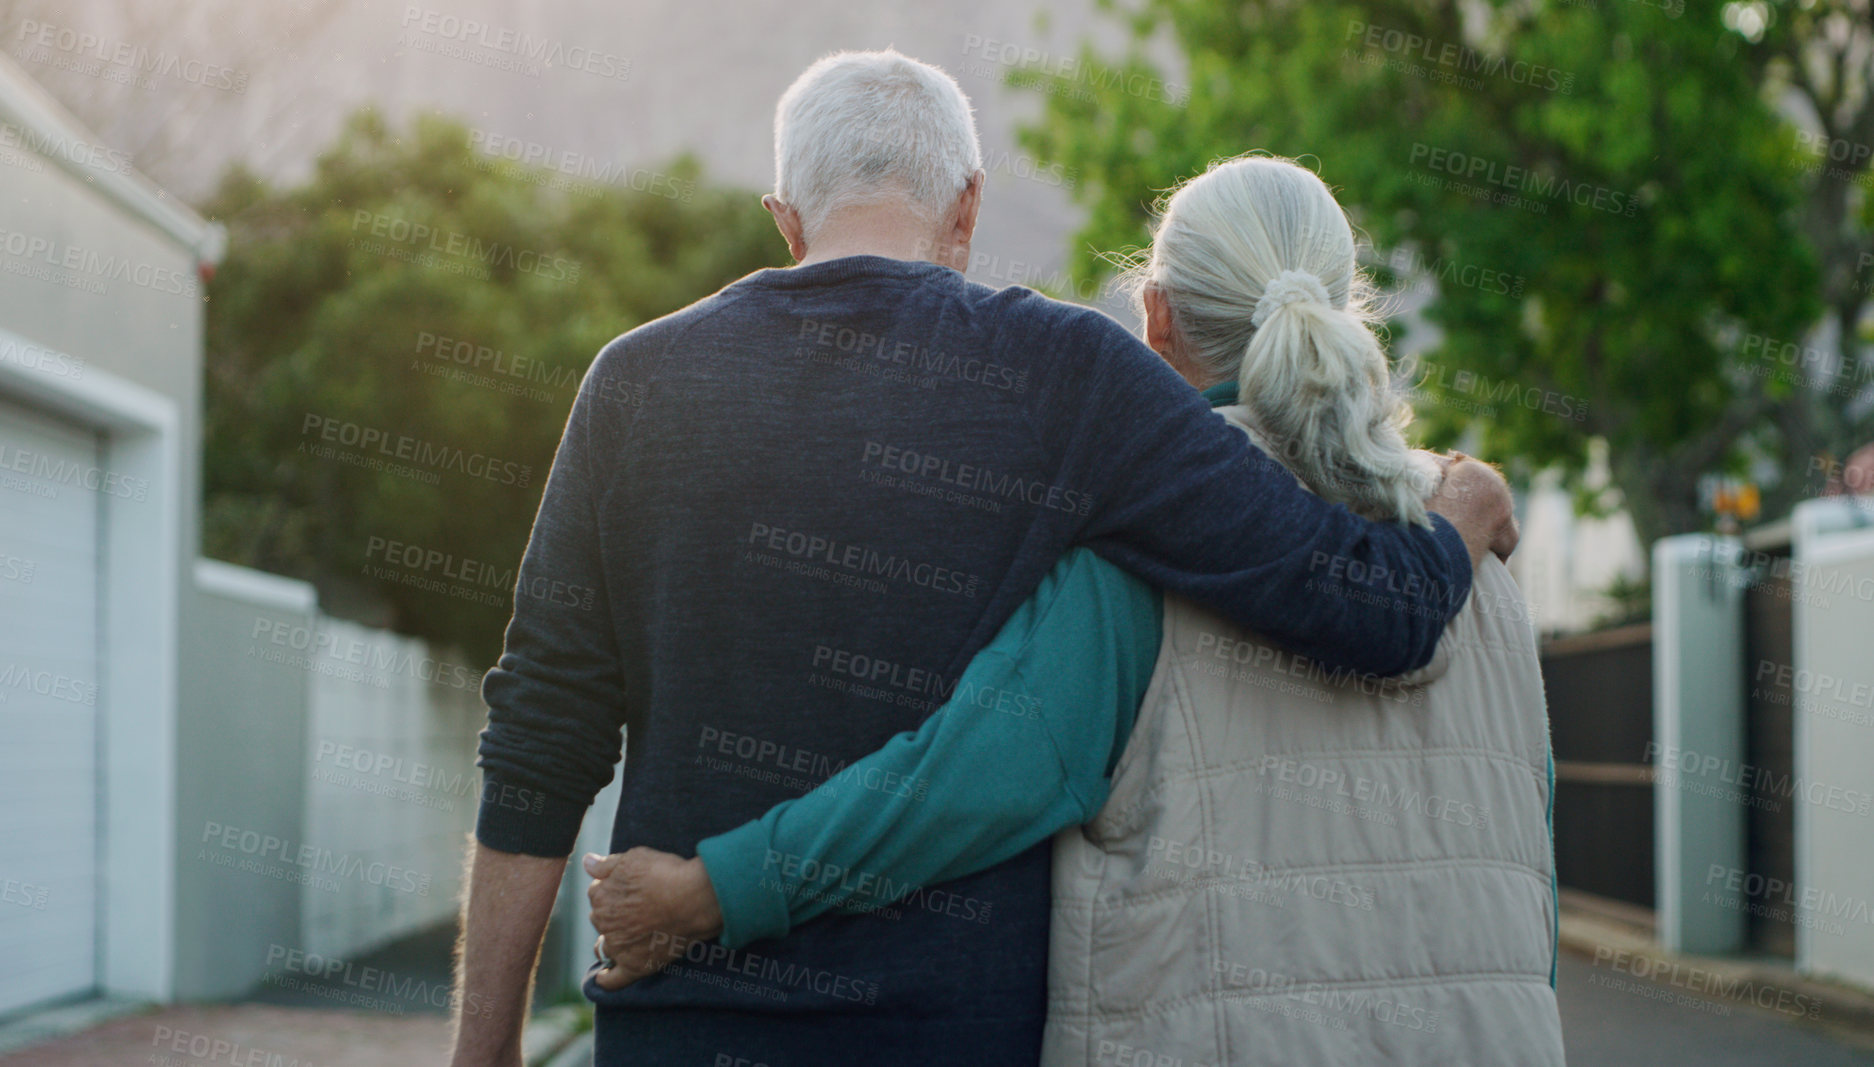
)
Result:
{"points": [[781, 522]]}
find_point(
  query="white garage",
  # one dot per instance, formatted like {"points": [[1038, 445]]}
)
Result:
{"points": [[49, 646], [99, 396], [89, 469]]}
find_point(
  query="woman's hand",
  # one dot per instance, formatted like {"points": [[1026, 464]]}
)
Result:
{"points": [[649, 907]]}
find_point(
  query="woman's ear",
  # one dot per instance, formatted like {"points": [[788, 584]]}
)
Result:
{"points": [[1160, 332], [1162, 337]]}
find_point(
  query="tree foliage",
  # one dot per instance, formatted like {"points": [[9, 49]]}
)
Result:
{"points": [[461, 345], [1605, 191], [1820, 55]]}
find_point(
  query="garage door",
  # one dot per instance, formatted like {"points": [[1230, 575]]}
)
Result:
{"points": [[49, 566]]}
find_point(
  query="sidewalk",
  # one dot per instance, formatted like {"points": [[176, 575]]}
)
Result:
{"points": [[258, 1033], [243, 1033], [1625, 1001], [310, 1023], [1620, 953]]}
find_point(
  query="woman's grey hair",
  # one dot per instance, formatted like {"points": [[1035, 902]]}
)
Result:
{"points": [[1256, 260], [861, 127]]}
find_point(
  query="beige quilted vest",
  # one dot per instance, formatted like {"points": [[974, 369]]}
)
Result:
{"points": [[1299, 869]]}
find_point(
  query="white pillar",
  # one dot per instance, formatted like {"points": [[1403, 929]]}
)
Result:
{"points": [[1698, 727], [1832, 688]]}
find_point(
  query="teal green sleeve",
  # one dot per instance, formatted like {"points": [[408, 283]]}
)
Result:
{"points": [[1023, 748]]}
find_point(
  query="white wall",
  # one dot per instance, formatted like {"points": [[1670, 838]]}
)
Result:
{"points": [[350, 750], [1833, 689], [240, 751], [1698, 707], [391, 786]]}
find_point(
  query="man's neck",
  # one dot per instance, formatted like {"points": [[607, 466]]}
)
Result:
{"points": [[874, 230], [820, 253]]}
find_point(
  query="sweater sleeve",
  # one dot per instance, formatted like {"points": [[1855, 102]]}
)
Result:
{"points": [[555, 698], [1021, 749], [1184, 500]]}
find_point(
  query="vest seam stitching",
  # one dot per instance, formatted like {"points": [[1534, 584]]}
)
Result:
{"points": [[1167, 1005], [1106, 904], [1173, 776]]}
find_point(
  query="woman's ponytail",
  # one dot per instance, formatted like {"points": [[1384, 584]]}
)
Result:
{"points": [[1256, 260]]}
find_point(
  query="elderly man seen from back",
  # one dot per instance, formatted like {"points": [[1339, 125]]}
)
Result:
{"points": [[720, 485]]}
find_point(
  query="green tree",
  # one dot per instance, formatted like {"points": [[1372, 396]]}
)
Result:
{"points": [[1608, 198], [450, 301], [1821, 53]]}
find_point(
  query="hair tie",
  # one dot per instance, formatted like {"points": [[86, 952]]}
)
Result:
{"points": [[1288, 287]]}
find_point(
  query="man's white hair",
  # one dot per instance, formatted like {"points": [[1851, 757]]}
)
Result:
{"points": [[863, 127], [1256, 259]]}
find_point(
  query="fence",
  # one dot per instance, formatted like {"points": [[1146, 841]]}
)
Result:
{"points": [[1600, 696]]}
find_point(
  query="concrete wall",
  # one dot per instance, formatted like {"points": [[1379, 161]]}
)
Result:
{"points": [[328, 783], [1833, 691], [391, 787], [241, 750]]}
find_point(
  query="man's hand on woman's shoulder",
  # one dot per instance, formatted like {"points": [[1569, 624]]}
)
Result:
{"points": [[1476, 499]]}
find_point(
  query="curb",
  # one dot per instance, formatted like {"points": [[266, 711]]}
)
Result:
{"points": [[1597, 938], [50, 1024]]}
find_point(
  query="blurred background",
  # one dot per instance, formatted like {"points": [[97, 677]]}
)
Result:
{"points": [[295, 297]]}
